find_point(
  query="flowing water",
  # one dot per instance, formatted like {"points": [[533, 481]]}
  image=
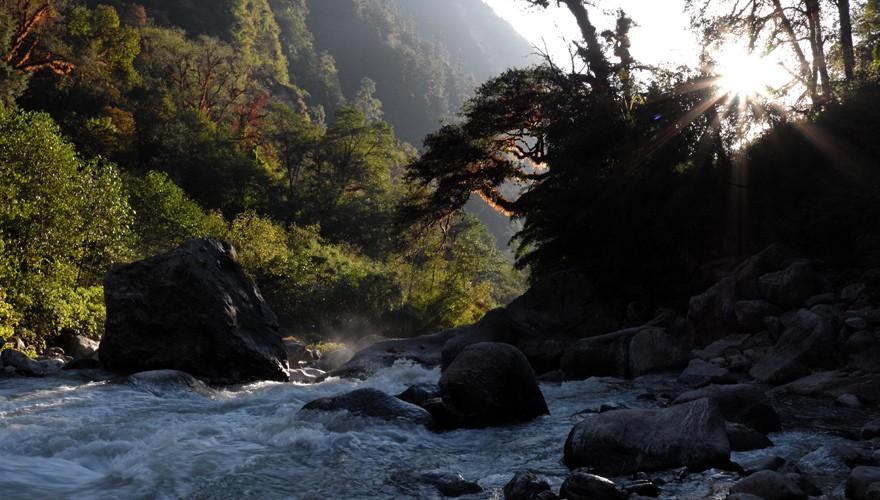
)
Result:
{"points": [[68, 438]]}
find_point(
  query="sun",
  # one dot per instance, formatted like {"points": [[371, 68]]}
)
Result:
{"points": [[744, 74]]}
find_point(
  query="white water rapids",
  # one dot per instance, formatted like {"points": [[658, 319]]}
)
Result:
{"points": [[67, 438]]}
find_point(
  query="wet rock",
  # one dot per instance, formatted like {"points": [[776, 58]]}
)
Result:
{"points": [[51, 365], [743, 496], [491, 384], [809, 342], [525, 486], [863, 483], [791, 287], [167, 382], [298, 353], [712, 315], [192, 309], [769, 485], [581, 485], [772, 462], [449, 484], [741, 403], [372, 403], [419, 393], [642, 488], [624, 441], [744, 438], [829, 458], [700, 374], [17, 362], [425, 350], [871, 429], [334, 359], [305, 375]]}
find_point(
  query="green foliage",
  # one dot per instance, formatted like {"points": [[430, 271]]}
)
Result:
{"points": [[164, 214], [63, 221]]}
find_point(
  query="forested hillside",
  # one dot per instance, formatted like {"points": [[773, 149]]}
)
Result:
{"points": [[158, 121]]}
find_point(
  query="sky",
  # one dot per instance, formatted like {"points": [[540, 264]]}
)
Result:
{"points": [[662, 36]]}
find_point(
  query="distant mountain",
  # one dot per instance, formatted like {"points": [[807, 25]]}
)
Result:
{"points": [[426, 56]]}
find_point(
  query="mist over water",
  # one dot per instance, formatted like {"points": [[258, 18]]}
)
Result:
{"points": [[64, 438]]}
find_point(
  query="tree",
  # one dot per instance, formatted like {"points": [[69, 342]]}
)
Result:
{"points": [[34, 43], [63, 222], [798, 26]]}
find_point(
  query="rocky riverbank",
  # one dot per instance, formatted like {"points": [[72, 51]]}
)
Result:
{"points": [[775, 346]]}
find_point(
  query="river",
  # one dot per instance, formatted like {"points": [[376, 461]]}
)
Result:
{"points": [[70, 438]]}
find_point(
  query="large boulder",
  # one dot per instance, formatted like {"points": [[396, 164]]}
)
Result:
{"points": [[626, 441], [712, 314], [863, 483], [626, 353], [748, 272], [791, 287], [491, 384], [372, 403], [809, 342], [19, 363], [741, 403], [769, 485], [192, 309]]}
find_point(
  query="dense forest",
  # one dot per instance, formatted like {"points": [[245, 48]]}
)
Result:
{"points": [[291, 127], [127, 127]]}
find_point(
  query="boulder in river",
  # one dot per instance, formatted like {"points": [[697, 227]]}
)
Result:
{"points": [[769, 485], [809, 342], [17, 362], [741, 403], [491, 384], [167, 382], [192, 309], [581, 485], [525, 486], [372, 403], [448, 484], [626, 441], [863, 483]]}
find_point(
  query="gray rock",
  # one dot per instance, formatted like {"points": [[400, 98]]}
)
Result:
{"points": [[51, 365], [425, 350], [741, 403], [829, 458], [372, 403], [750, 314], [15, 361], [601, 356], [298, 353], [192, 309], [167, 383], [773, 258], [449, 484], [875, 458], [700, 374], [80, 347], [772, 462], [334, 359], [743, 496], [525, 486], [581, 485], [625, 441], [835, 383], [491, 384], [305, 375], [654, 349], [849, 400], [871, 429], [863, 483], [712, 314], [856, 324], [728, 346], [744, 438], [769, 485], [854, 292], [791, 287], [863, 350], [809, 342], [419, 393]]}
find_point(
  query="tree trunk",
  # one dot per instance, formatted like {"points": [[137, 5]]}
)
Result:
{"points": [[846, 39]]}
